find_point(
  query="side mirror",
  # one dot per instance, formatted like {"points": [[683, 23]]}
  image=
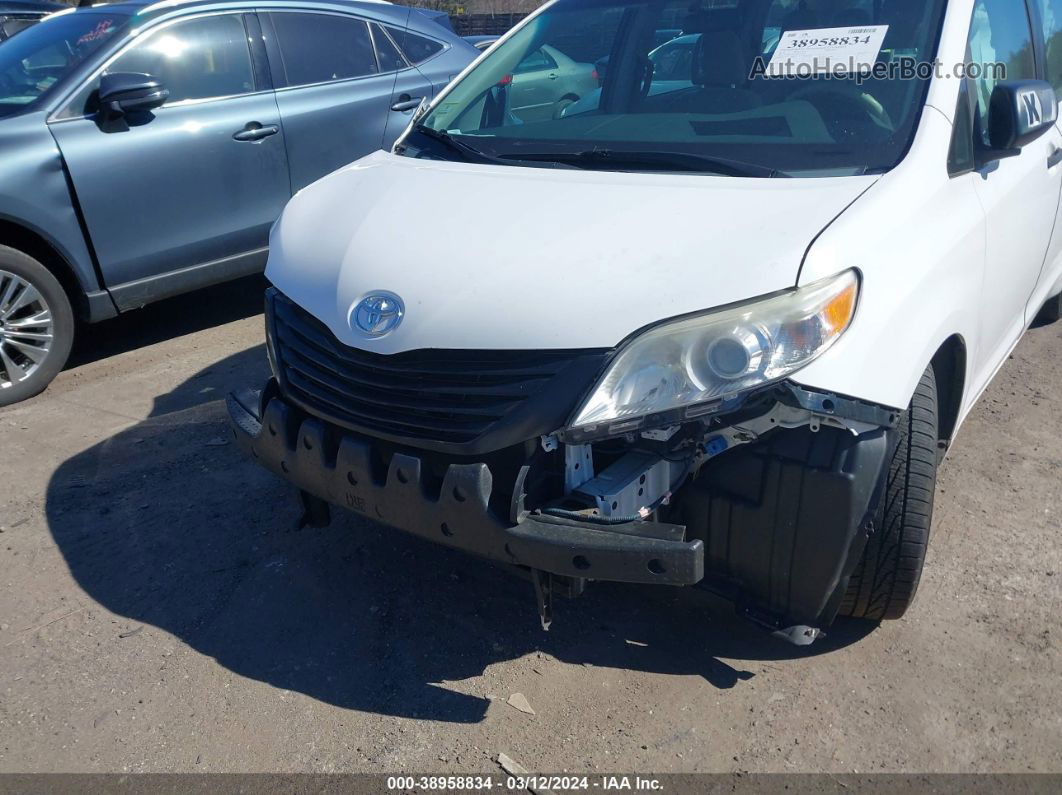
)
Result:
{"points": [[126, 92], [1019, 112]]}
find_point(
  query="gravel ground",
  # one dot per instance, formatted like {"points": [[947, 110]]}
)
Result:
{"points": [[160, 612]]}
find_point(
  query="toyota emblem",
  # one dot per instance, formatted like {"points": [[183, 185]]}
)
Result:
{"points": [[377, 314]]}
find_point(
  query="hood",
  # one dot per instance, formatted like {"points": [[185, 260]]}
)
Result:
{"points": [[498, 257]]}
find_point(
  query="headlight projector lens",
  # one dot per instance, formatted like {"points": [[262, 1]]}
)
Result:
{"points": [[735, 356]]}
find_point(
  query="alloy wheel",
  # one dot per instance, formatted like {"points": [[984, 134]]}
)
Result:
{"points": [[26, 329]]}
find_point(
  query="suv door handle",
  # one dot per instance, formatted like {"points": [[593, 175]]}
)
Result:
{"points": [[406, 102], [254, 131], [1055, 158]]}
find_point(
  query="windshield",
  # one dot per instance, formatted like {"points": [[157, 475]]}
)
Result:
{"points": [[38, 58], [759, 87]]}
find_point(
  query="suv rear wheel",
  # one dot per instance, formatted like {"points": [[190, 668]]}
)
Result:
{"points": [[36, 326], [1051, 312], [883, 585]]}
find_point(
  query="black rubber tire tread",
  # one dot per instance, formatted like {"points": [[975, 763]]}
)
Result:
{"points": [[35, 273], [886, 579], [1051, 312], [559, 108]]}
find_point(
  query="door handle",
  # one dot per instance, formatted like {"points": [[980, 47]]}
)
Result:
{"points": [[1055, 158], [552, 75], [406, 102], [253, 131]]}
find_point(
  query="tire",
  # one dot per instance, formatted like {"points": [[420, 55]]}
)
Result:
{"points": [[1051, 312], [885, 581], [563, 104], [36, 326]]}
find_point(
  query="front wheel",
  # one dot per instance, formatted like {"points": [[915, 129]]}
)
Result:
{"points": [[884, 583], [36, 326], [562, 105], [1051, 312]]}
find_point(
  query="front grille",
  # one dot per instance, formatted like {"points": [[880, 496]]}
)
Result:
{"points": [[471, 399]]}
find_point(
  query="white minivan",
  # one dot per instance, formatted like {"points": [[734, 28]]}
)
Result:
{"points": [[718, 331]]}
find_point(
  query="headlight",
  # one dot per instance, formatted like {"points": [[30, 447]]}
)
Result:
{"points": [[704, 359]]}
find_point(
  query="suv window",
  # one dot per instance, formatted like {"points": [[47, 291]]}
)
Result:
{"points": [[1000, 33], [321, 48], [390, 58], [198, 58], [417, 49], [47, 53], [1051, 14]]}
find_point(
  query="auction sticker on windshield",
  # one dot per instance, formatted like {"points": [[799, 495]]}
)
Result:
{"points": [[808, 52]]}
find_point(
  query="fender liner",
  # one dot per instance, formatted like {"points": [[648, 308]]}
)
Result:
{"points": [[785, 520]]}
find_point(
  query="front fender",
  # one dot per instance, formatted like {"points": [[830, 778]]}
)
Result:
{"points": [[917, 239], [35, 195]]}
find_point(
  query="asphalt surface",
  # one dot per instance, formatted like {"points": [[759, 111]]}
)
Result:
{"points": [[159, 610]]}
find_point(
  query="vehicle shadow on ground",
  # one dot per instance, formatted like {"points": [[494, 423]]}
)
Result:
{"points": [[169, 319], [167, 525]]}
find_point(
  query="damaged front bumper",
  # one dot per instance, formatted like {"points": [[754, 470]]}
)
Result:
{"points": [[337, 467], [775, 515]]}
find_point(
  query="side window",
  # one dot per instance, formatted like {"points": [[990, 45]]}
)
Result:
{"points": [[537, 61], [673, 62], [9, 27], [54, 57], [321, 48], [196, 59], [390, 58], [417, 49], [961, 157], [1000, 34], [1051, 14]]}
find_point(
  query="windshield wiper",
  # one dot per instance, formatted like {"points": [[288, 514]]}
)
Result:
{"points": [[651, 160], [470, 153], [467, 152]]}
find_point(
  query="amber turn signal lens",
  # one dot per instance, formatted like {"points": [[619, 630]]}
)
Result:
{"points": [[837, 314]]}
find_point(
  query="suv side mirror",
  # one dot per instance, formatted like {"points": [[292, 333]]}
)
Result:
{"points": [[1019, 112], [127, 92]]}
